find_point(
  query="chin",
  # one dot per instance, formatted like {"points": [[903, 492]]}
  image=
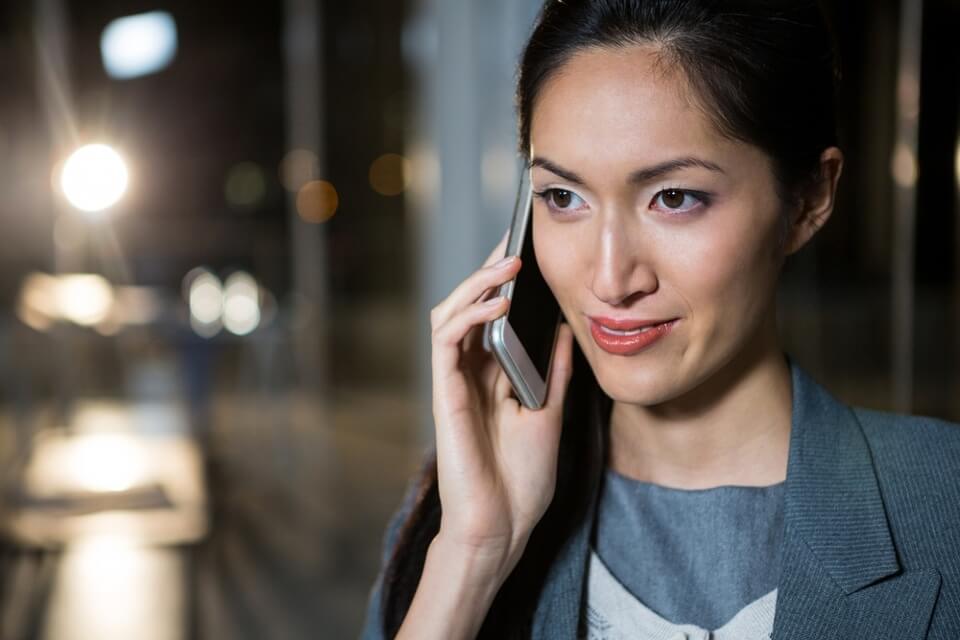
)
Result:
{"points": [[639, 396], [634, 382]]}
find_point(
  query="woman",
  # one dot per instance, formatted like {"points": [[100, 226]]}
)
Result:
{"points": [[685, 476]]}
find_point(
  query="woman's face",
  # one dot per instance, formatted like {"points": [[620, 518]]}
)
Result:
{"points": [[696, 244]]}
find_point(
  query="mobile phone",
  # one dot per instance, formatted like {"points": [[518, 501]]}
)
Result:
{"points": [[523, 339]]}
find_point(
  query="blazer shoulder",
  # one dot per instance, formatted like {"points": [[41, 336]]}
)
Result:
{"points": [[933, 436], [918, 454]]}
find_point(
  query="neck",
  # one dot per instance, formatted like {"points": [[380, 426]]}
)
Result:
{"points": [[733, 429]]}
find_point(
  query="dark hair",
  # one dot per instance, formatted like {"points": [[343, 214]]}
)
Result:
{"points": [[764, 72]]}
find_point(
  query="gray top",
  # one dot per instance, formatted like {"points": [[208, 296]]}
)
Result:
{"points": [[692, 556]]}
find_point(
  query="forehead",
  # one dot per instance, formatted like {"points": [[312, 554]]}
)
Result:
{"points": [[613, 104]]}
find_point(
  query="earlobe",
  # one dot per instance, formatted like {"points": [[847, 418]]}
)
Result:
{"points": [[817, 204]]}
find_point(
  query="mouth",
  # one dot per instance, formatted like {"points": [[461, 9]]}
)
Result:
{"points": [[627, 337], [631, 332]]}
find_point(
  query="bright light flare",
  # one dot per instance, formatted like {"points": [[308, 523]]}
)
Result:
{"points": [[94, 178], [138, 45]]}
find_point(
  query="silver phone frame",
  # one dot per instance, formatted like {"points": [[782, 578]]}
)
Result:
{"points": [[498, 336]]}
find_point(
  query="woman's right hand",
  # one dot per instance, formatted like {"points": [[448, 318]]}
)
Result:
{"points": [[496, 459]]}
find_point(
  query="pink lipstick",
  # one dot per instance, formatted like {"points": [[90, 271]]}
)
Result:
{"points": [[627, 337]]}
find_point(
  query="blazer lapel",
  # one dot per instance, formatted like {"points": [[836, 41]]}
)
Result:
{"points": [[841, 575], [561, 601], [558, 609], [841, 578]]}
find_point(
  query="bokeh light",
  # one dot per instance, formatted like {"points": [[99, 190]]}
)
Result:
{"points": [[245, 186], [317, 201], [241, 304], [94, 177], [297, 168], [138, 45], [424, 171], [499, 168], [205, 298], [908, 94], [107, 462], [904, 166], [112, 586], [81, 298], [85, 299], [390, 174], [956, 162], [88, 300], [39, 305]]}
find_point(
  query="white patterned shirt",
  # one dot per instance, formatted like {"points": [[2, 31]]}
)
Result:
{"points": [[613, 613]]}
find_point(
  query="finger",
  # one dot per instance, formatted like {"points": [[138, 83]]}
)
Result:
{"points": [[498, 252], [473, 341], [561, 371], [474, 289], [448, 337], [503, 388]]}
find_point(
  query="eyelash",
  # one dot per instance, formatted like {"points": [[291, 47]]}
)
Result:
{"points": [[546, 197], [698, 195]]}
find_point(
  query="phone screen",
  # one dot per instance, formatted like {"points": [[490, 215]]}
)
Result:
{"points": [[533, 311]]}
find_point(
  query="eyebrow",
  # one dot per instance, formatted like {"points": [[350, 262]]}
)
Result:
{"points": [[637, 177]]}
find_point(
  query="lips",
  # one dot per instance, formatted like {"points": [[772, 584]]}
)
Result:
{"points": [[628, 336]]}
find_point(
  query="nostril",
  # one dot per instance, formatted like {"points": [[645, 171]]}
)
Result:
{"points": [[624, 293]]}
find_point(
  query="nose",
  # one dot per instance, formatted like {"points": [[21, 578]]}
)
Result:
{"points": [[623, 269]]}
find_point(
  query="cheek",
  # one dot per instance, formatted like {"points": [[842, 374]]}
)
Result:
{"points": [[558, 257], [733, 268]]}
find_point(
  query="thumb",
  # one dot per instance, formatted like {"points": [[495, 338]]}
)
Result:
{"points": [[562, 369]]}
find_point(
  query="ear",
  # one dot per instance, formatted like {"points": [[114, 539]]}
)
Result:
{"points": [[816, 205]]}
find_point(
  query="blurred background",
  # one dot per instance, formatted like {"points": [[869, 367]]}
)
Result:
{"points": [[222, 227]]}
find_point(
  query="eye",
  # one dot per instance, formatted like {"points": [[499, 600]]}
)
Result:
{"points": [[560, 199], [673, 200]]}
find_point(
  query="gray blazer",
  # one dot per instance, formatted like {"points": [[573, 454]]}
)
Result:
{"points": [[872, 531]]}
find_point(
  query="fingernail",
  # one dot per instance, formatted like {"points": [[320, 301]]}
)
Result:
{"points": [[505, 261], [492, 302]]}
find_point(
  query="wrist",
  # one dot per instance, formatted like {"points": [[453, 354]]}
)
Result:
{"points": [[486, 561], [471, 563], [456, 589]]}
